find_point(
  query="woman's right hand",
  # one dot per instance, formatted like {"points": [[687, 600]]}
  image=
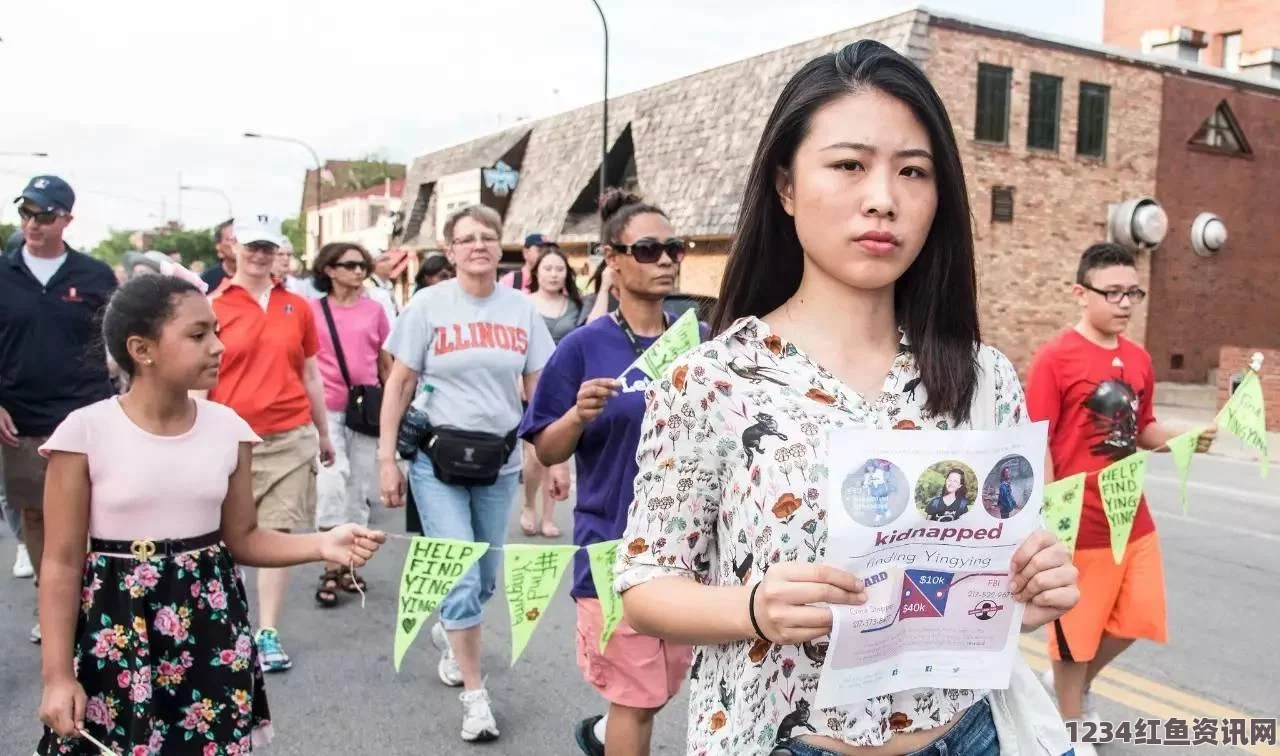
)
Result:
{"points": [[391, 482], [594, 395], [62, 706], [783, 601]]}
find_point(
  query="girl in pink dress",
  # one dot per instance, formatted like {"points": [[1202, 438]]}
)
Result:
{"points": [[148, 647]]}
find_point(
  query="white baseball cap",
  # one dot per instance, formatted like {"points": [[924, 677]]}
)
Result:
{"points": [[258, 228]]}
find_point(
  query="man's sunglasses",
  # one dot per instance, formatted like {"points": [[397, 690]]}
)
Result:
{"points": [[42, 217], [351, 265], [648, 251]]}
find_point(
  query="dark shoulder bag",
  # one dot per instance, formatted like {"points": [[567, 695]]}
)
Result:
{"points": [[364, 403]]}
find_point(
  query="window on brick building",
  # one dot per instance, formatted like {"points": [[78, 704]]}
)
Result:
{"points": [[992, 121], [1221, 132], [1231, 51], [1045, 107], [1091, 130]]}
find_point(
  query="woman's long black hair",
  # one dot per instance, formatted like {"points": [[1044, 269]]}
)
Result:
{"points": [[936, 298]]}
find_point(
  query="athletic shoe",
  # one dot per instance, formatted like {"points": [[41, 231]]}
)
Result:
{"points": [[478, 724], [35, 636], [586, 736], [1088, 710], [448, 669], [22, 564], [270, 653]]}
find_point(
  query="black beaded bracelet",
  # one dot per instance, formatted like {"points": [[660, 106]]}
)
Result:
{"points": [[751, 609]]}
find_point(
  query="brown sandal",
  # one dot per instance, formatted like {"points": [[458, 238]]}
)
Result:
{"points": [[327, 593], [349, 580]]}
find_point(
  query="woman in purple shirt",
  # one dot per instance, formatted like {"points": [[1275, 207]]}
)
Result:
{"points": [[582, 410]]}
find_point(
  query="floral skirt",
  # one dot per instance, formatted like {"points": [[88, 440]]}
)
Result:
{"points": [[165, 653]]}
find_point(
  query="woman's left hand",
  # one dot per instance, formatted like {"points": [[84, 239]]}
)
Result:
{"points": [[1043, 577], [350, 544]]}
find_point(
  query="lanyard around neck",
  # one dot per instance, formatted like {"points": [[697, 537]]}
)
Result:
{"points": [[630, 334]]}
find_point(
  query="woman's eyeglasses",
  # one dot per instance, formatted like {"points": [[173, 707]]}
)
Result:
{"points": [[648, 251], [42, 218], [1116, 296], [352, 265], [487, 240]]}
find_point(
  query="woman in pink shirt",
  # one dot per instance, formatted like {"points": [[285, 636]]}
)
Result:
{"points": [[345, 489], [147, 642]]}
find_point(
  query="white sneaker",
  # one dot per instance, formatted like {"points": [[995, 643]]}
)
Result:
{"points": [[448, 669], [1088, 709], [35, 636], [478, 724], [22, 564]]}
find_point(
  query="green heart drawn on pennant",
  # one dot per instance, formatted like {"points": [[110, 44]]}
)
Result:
{"points": [[407, 624]]}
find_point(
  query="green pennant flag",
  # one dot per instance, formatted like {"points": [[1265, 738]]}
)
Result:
{"points": [[1063, 500], [431, 569], [1183, 448], [602, 558], [1120, 485], [531, 574], [1244, 416], [682, 336]]}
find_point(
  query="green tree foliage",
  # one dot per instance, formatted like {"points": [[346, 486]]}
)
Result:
{"points": [[295, 230], [6, 230], [193, 244], [370, 170]]}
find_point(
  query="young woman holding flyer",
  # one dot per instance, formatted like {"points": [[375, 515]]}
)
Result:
{"points": [[850, 301], [582, 410]]}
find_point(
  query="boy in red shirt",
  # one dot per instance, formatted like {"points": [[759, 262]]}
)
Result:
{"points": [[1097, 390]]}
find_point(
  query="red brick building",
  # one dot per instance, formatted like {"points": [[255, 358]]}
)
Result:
{"points": [[1230, 29], [1053, 133]]}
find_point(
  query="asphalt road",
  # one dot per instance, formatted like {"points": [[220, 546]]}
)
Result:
{"points": [[1222, 563]]}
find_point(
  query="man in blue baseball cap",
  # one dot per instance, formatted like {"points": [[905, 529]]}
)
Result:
{"points": [[533, 246], [51, 359]]}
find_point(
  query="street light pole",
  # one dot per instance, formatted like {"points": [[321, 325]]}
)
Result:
{"points": [[319, 170], [24, 154], [604, 115], [211, 190]]}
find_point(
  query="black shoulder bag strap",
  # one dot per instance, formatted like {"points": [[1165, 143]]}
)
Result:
{"points": [[337, 343]]}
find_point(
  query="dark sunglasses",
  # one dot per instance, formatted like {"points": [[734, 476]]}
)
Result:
{"points": [[351, 265], [648, 251], [43, 218]]}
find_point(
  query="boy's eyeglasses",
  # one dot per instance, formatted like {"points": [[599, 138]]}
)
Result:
{"points": [[1116, 296]]}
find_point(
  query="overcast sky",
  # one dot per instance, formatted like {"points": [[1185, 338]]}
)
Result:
{"points": [[127, 95]]}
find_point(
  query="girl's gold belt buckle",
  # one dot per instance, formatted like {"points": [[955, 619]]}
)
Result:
{"points": [[143, 550]]}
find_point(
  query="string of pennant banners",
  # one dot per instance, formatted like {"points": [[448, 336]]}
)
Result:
{"points": [[532, 573], [1120, 483]]}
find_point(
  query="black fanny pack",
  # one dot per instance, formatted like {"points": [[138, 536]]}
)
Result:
{"points": [[468, 458]]}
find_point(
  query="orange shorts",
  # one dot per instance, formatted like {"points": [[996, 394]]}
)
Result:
{"points": [[635, 670], [1123, 600]]}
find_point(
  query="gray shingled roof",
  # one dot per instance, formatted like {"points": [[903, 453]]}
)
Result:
{"points": [[694, 140]]}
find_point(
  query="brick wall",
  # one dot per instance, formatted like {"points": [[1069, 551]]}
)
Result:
{"points": [[1199, 304], [1235, 359], [1025, 268], [1258, 22]]}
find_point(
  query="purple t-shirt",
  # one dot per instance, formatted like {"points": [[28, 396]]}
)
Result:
{"points": [[606, 453]]}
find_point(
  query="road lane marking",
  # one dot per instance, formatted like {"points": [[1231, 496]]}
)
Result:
{"points": [[1161, 514], [1146, 696], [1271, 501]]}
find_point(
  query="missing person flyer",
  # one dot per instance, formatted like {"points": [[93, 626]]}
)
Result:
{"points": [[930, 521]]}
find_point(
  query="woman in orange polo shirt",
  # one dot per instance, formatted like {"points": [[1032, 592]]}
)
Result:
{"points": [[270, 377]]}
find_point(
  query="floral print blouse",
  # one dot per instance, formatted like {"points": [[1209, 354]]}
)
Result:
{"points": [[732, 480]]}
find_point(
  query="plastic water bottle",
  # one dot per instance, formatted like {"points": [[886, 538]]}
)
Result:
{"points": [[414, 426]]}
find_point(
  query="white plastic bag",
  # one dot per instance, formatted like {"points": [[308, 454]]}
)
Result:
{"points": [[1027, 721]]}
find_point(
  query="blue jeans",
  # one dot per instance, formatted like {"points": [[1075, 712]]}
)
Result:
{"points": [[973, 735], [476, 514]]}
